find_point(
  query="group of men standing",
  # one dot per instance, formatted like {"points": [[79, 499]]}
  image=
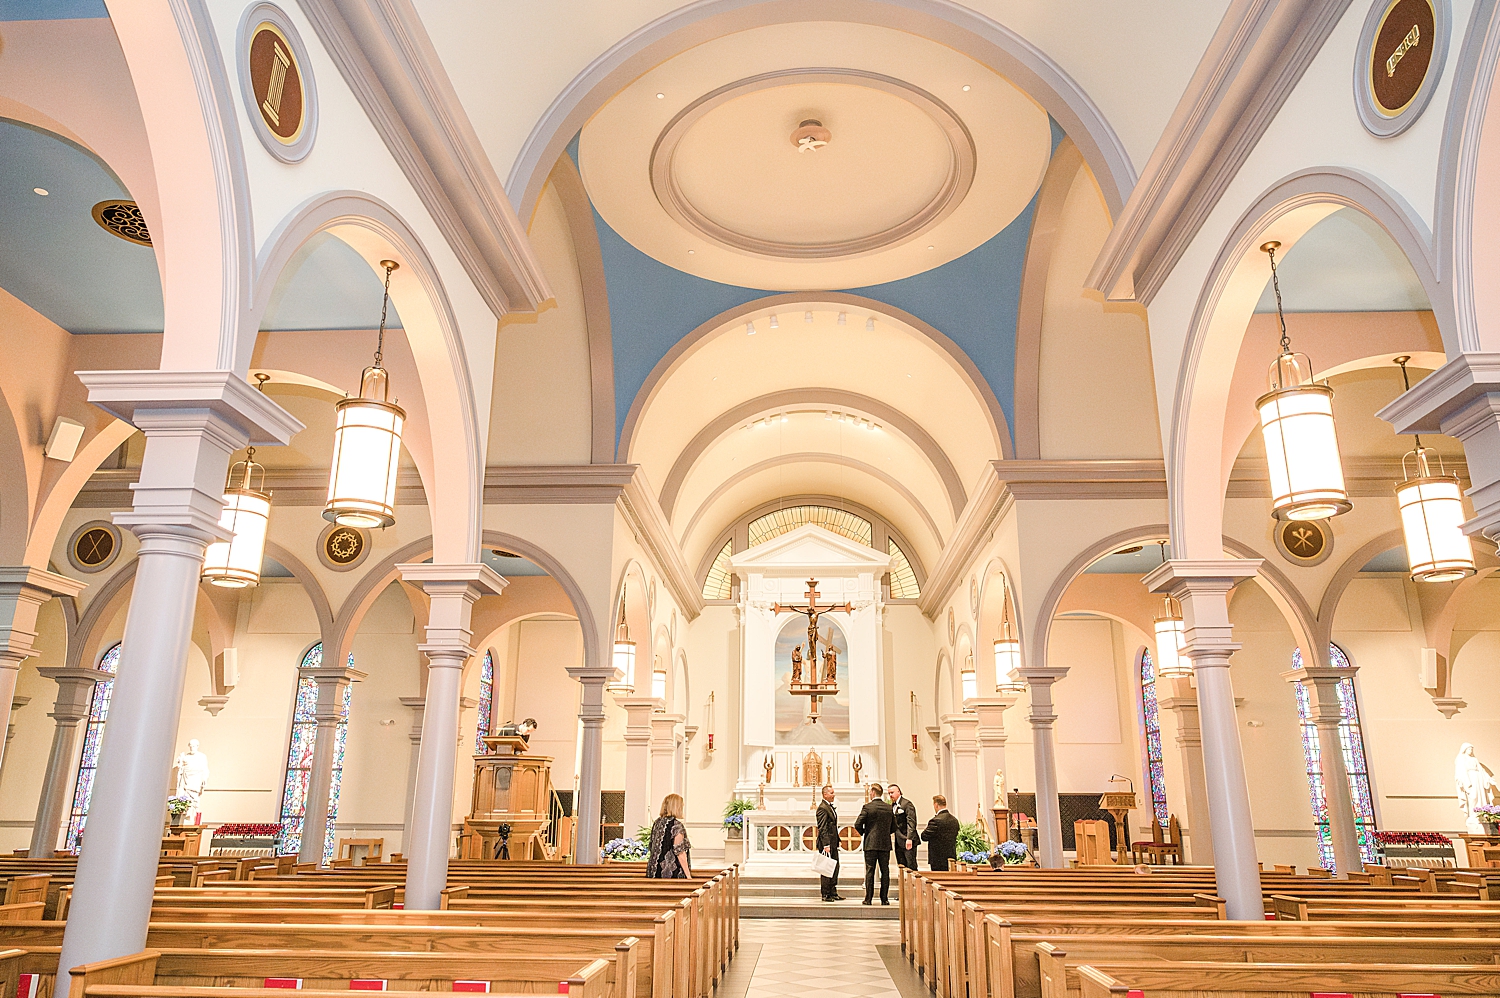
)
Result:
{"points": [[888, 821]]}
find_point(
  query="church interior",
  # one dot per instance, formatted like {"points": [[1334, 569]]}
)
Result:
{"points": [[461, 431]]}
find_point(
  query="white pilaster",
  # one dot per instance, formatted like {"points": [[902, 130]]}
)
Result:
{"points": [[1322, 685], [23, 591], [666, 755], [591, 760], [331, 680], [1183, 704], [1043, 717], [965, 747], [452, 591], [639, 787], [75, 689], [414, 736], [992, 738]]}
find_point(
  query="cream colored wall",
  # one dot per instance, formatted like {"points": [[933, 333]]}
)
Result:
{"points": [[25, 761], [542, 412], [1095, 355], [542, 689], [713, 653]]}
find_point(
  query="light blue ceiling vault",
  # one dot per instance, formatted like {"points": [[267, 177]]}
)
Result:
{"points": [[51, 10]]}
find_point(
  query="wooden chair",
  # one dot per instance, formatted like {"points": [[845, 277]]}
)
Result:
{"points": [[361, 851], [1159, 851]]}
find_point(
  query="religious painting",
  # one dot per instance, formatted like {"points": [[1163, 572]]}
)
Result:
{"points": [[792, 724]]}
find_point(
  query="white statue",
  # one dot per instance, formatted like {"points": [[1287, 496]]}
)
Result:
{"points": [[1475, 784], [999, 789], [192, 773]]}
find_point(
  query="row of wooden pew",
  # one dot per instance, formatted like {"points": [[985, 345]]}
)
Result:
{"points": [[505, 928], [1162, 933]]}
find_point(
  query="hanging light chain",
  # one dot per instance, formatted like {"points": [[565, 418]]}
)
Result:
{"points": [[385, 302], [1406, 385], [1286, 341]]}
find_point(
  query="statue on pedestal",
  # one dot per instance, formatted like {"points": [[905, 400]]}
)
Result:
{"points": [[797, 665], [999, 789], [192, 775], [831, 663], [1476, 786]]}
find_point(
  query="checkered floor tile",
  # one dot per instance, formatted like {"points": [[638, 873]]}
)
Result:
{"points": [[816, 958]]}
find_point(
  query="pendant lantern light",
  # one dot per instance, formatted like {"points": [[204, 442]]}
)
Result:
{"points": [[1007, 649], [1296, 422], [367, 443], [970, 679], [1171, 663], [235, 563], [624, 657], [1432, 514], [659, 681]]}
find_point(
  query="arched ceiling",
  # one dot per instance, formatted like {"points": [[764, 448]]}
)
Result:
{"points": [[869, 408]]}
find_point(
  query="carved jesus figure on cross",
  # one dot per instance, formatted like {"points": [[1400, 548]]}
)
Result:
{"points": [[813, 611]]}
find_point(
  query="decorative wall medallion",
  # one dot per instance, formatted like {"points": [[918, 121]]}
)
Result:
{"points": [[276, 83], [123, 219], [94, 546], [342, 548], [651, 599], [1399, 61], [973, 596], [1303, 542], [952, 627]]}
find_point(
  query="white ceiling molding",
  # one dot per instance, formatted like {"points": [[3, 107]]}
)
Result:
{"points": [[386, 57], [1254, 60], [644, 515], [1364, 477], [1084, 479], [988, 502]]}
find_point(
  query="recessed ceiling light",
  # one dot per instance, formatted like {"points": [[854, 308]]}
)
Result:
{"points": [[749, 329], [775, 322], [966, 89], [932, 247], [843, 318], [806, 316], [41, 190], [870, 325], [691, 252], [664, 96]]}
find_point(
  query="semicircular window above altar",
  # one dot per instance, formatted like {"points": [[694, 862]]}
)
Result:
{"points": [[783, 521], [904, 583]]}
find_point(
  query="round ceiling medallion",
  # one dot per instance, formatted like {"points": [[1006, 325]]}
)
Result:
{"points": [[1303, 542], [276, 83], [123, 219], [1398, 62], [723, 167], [341, 547], [94, 546]]}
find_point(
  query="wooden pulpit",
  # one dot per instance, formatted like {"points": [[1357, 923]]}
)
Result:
{"points": [[511, 789], [1118, 806]]}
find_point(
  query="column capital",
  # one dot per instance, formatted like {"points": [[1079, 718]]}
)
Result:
{"points": [[1181, 577], [331, 681], [1444, 393], [964, 727], [146, 395], [591, 677], [75, 687], [1322, 685], [23, 591], [466, 581], [1042, 675]]}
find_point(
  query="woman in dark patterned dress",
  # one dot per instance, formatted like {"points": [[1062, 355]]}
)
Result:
{"points": [[670, 857]]}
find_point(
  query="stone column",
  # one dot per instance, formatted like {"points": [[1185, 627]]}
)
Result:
{"points": [[16, 703], [965, 749], [591, 760], [684, 756], [75, 690], [415, 737], [1183, 704], [332, 680], [1039, 680], [665, 754], [1202, 587], [193, 422], [452, 590], [992, 737], [639, 789], [23, 590], [1322, 685]]}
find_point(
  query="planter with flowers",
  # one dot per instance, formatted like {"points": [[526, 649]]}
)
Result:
{"points": [[1489, 817], [1011, 854], [177, 809], [623, 850], [734, 818]]}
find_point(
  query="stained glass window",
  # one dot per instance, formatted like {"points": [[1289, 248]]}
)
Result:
{"points": [[1151, 722], [1354, 761], [299, 759], [784, 521], [486, 700], [903, 579], [93, 733], [719, 584]]}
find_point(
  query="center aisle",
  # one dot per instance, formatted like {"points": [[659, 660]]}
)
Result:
{"points": [[820, 958]]}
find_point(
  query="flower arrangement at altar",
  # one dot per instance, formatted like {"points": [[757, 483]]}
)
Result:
{"points": [[178, 806], [974, 858], [1012, 853], [623, 850], [1412, 839], [1489, 816], [734, 817], [973, 844]]}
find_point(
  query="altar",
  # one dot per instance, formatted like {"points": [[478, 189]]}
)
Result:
{"points": [[782, 837]]}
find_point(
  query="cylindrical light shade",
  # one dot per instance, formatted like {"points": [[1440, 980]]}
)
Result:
{"points": [[1432, 517], [1008, 665], [1302, 447], [1170, 662], [366, 454], [624, 662], [970, 680], [235, 563], [659, 684]]}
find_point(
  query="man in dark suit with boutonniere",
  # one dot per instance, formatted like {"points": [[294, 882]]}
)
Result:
{"points": [[904, 814], [941, 835], [828, 841], [874, 824]]}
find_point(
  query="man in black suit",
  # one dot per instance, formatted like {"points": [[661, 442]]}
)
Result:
{"points": [[907, 832], [941, 835], [828, 841], [874, 825]]}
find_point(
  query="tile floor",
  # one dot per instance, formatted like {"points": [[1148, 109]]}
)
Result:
{"points": [[813, 958]]}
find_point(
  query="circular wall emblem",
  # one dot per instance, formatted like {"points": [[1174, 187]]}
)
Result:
{"points": [[94, 546], [1303, 542], [1399, 61], [123, 219], [276, 82], [341, 548], [779, 838]]}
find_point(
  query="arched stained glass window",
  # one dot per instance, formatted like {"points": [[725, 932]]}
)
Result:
{"points": [[784, 521], [1151, 723], [93, 733], [1354, 761], [299, 758], [903, 578], [719, 583], [486, 700]]}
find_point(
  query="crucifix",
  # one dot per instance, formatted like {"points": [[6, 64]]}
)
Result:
{"points": [[822, 682]]}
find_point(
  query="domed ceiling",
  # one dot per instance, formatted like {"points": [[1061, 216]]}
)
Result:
{"points": [[807, 156]]}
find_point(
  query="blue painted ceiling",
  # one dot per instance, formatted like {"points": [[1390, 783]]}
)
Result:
{"points": [[326, 285], [51, 10]]}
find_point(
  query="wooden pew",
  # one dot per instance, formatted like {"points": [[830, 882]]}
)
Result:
{"points": [[1227, 980]]}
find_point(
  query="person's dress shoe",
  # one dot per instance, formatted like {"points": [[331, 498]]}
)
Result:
{"points": [[886, 903], [830, 899], [838, 897], [865, 902]]}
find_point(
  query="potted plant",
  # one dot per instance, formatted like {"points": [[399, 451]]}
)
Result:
{"points": [[1010, 854], [177, 807], [623, 850], [973, 845], [734, 817], [1489, 816]]}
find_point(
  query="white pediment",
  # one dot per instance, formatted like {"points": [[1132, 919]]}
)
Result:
{"points": [[810, 548]]}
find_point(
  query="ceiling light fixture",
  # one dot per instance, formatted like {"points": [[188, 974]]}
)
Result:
{"points": [[970, 679], [1007, 649], [1296, 422], [843, 318], [623, 680], [40, 190], [1171, 663], [235, 563], [775, 322], [807, 317], [810, 135], [367, 443], [932, 247], [966, 88], [870, 325], [1432, 514], [749, 329], [661, 96]]}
